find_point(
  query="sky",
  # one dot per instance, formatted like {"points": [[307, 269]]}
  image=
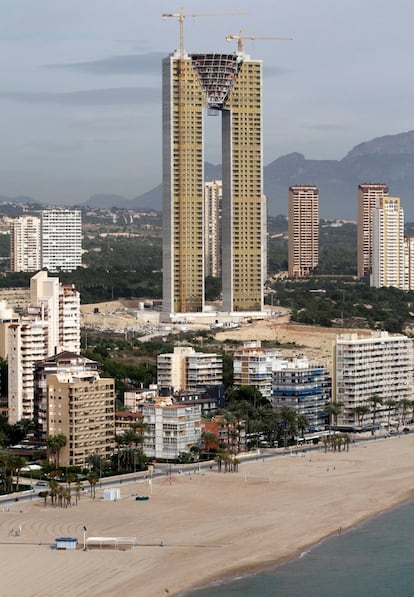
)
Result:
{"points": [[80, 92]]}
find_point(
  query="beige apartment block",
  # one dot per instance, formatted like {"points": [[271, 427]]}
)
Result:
{"points": [[303, 229]]}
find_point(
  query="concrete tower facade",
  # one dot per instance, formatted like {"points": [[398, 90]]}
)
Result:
{"points": [[303, 229], [25, 253], [369, 195], [232, 85], [61, 239], [388, 254]]}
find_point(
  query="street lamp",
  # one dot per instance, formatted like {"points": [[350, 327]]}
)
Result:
{"points": [[84, 538]]}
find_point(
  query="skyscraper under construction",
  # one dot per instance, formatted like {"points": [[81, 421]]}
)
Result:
{"points": [[232, 85]]}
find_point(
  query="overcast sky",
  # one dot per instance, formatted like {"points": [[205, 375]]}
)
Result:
{"points": [[80, 92]]}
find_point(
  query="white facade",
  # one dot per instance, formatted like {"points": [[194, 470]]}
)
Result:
{"points": [[27, 345], [388, 258], [409, 262], [380, 364], [61, 231], [304, 387], [25, 247], [253, 366], [369, 195], [213, 195], [171, 430], [186, 369], [51, 325]]}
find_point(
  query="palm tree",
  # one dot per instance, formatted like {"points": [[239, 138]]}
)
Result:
{"points": [[375, 402], [209, 440], [93, 479], [78, 491], [405, 405], [334, 409], [55, 443], [360, 412], [391, 404], [288, 419], [302, 422]]}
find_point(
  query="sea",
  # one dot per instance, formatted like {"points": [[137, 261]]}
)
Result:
{"points": [[374, 559]]}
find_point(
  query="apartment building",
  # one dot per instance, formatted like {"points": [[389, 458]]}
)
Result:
{"points": [[303, 229], [50, 324], [388, 254], [186, 369], [81, 406], [25, 245], [253, 366], [304, 387], [61, 239], [171, 430], [379, 364], [369, 196]]}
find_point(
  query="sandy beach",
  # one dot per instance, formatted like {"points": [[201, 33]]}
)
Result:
{"points": [[212, 525]]}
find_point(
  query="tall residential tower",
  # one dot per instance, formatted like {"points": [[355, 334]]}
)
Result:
{"points": [[303, 229], [230, 84], [369, 195]]}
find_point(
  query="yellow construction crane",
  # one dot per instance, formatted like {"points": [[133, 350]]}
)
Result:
{"points": [[181, 16], [240, 37]]}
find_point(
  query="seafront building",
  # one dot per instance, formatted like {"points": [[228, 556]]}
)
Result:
{"points": [[61, 239], [379, 364], [171, 429], [253, 366], [409, 261], [188, 370], [304, 387], [369, 196], [230, 84], [72, 399], [25, 245], [388, 255], [303, 229]]}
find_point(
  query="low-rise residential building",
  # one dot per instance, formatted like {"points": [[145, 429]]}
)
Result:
{"points": [[253, 365], [171, 430], [186, 369], [379, 365]]}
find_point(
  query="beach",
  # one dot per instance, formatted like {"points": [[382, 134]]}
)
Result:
{"points": [[199, 527]]}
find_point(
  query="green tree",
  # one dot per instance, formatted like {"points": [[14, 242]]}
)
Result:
{"points": [[55, 443]]}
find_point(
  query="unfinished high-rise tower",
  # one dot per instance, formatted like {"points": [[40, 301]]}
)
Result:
{"points": [[230, 84]]}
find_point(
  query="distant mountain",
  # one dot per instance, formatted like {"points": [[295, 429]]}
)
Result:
{"points": [[388, 159]]}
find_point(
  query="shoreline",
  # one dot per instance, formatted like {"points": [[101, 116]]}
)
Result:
{"points": [[197, 528], [245, 572]]}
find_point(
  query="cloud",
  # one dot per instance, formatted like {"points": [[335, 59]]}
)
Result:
{"points": [[276, 71], [129, 64], [91, 97], [326, 127]]}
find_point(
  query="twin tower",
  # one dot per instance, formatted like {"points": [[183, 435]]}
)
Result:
{"points": [[232, 85]]}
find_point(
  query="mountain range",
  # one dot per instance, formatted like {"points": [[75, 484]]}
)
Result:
{"points": [[388, 159]]}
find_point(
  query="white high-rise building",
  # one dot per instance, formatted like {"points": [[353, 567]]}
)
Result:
{"points": [[61, 231], [51, 324], [369, 195], [213, 195], [25, 246], [380, 364], [253, 366], [388, 256]]}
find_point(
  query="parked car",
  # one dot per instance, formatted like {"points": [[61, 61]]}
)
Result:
{"points": [[41, 484]]}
